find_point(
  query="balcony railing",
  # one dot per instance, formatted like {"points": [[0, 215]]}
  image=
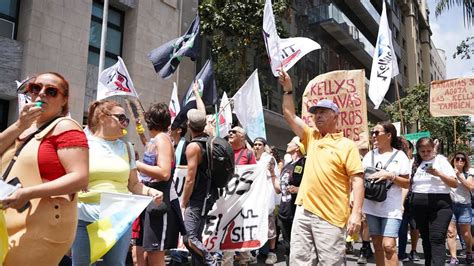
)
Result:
{"points": [[371, 9], [328, 12]]}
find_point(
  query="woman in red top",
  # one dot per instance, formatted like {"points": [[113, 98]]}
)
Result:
{"points": [[51, 167]]}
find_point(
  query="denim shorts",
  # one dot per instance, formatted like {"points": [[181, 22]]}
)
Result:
{"points": [[379, 226], [461, 213]]}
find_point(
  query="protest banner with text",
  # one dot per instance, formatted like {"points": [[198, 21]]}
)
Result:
{"points": [[347, 90], [452, 97], [235, 222]]}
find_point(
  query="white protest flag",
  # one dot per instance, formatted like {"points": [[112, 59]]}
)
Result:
{"points": [[225, 116], [248, 107], [174, 103], [384, 64], [283, 52], [114, 81]]}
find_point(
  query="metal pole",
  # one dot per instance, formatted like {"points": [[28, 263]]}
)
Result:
{"points": [[455, 133], [402, 125], [103, 36], [179, 34]]}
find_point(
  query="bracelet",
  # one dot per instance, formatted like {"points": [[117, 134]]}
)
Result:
{"points": [[287, 92]]}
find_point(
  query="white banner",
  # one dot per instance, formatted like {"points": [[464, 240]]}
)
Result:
{"points": [[114, 81], [174, 103], [384, 64], [235, 222], [225, 117], [283, 53], [248, 107]]}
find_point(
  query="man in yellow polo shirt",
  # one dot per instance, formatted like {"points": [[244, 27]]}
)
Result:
{"points": [[332, 166]]}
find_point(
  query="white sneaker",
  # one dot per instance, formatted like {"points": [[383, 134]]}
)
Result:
{"points": [[271, 258]]}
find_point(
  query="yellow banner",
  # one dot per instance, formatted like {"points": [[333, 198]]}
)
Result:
{"points": [[347, 90], [452, 97]]}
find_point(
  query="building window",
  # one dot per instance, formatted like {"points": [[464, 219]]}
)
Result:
{"points": [[8, 18], [115, 25], [396, 9], [3, 114]]}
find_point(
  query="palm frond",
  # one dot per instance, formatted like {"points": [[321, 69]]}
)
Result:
{"points": [[467, 9]]}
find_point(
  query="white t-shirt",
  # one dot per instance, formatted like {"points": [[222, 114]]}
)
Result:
{"points": [[461, 193], [424, 182], [392, 206]]}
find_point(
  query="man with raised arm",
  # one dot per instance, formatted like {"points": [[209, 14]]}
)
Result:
{"points": [[332, 166]]}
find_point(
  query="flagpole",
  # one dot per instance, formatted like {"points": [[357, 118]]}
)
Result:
{"points": [[103, 36], [402, 125], [217, 120], [179, 34], [223, 107]]}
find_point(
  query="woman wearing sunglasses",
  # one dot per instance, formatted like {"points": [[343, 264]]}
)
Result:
{"points": [[461, 196], [112, 168], [51, 167], [384, 218], [430, 203]]}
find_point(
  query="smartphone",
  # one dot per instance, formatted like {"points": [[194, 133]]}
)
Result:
{"points": [[15, 181], [428, 166]]}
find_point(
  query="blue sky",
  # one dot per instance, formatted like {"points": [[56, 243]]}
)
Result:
{"points": [[448, 31]]}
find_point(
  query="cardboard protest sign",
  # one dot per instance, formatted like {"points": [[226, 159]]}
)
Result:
{"points": [[452, 97], [347, 90]]}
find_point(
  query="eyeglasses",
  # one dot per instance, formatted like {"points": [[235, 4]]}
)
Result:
{"points": [[122, 118], [257, 144], [49, 90], [375, 132], [462, 159]]}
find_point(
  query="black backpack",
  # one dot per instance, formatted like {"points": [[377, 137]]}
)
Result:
{"points": [[220, 159]]}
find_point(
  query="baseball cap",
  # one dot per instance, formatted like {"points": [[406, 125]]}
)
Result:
{"points": [[328, 104], [196, 119], [240, 130]]}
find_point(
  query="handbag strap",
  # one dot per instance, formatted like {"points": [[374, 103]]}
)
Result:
{"points": [[386, 164], [25, 141], [390, 160]]}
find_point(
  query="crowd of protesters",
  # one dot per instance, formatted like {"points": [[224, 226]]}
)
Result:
{"points": [[316, 201]]}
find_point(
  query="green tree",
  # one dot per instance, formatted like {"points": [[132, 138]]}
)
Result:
{"points": [[233, 30], [416, 115]]}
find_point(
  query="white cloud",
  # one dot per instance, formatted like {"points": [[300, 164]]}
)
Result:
{"points": [[448, 31]]}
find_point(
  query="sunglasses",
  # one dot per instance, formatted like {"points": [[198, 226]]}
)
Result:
{"points": [[122, 118], [462, 159], [257, 144], [49, 90], [232, 132], [375, 132]]}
